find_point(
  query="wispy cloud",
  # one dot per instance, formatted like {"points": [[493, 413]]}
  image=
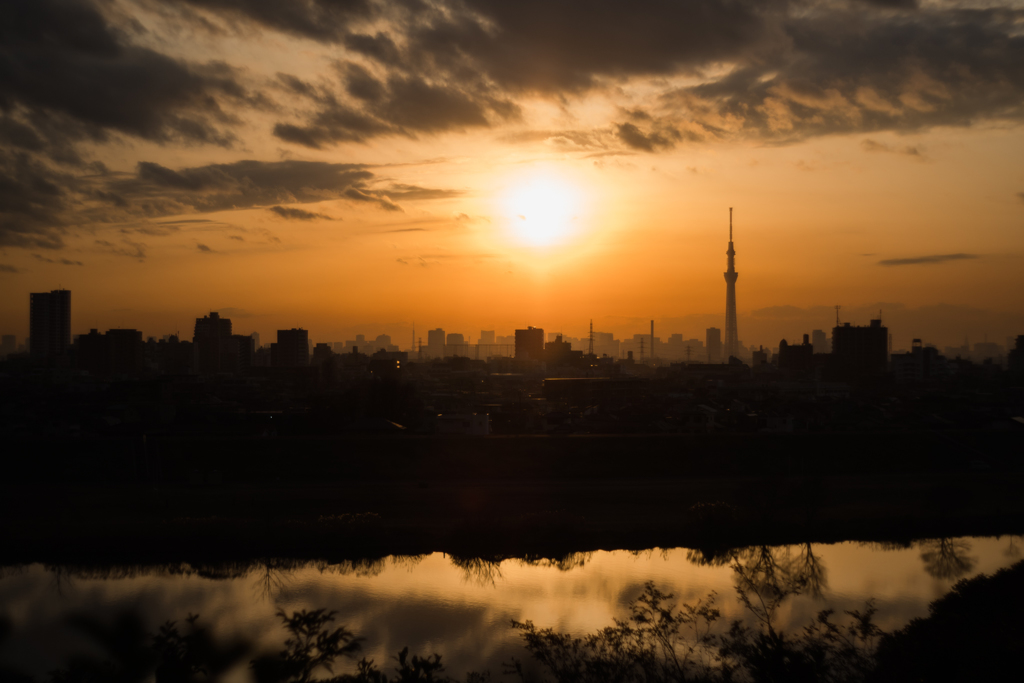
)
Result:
{"points": [[62, 261], [873, 146], [5, 268], [923, 260], [406, 230], [202, 247], [298, 214]]}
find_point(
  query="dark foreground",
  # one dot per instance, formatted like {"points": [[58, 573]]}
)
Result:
{"points": [[208, 499]]}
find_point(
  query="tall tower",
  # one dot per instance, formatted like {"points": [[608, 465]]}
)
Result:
{"points": [[732, 335]]}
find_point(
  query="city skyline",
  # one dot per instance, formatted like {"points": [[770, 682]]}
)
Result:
{"points": [[367, 168]]}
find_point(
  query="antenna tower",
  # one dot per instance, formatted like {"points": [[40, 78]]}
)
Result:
{"points": [[641, 350], [837, 315], [590, 349]]}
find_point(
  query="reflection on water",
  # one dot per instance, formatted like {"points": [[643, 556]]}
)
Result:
{"points": [[463, 607]]}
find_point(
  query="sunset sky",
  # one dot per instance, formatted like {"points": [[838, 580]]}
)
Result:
{"points": [[353, 166]]}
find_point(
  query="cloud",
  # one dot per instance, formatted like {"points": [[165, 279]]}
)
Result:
{"points": [[5, 268], [236, 237], [648, 142], [63, 261], [919, 260], [81, 78], [298, 214], [355, 194], [136, 250], [406, 230], [1020, 196], [202, 247], [873, 146]]}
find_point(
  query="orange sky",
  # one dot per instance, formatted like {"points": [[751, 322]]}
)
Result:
{"points": [[528, 179]]}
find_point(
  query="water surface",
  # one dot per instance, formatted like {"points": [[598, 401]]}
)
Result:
{"points": [[463, 608]]}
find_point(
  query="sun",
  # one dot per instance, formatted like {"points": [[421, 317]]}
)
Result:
{"points": [[543, 211]]}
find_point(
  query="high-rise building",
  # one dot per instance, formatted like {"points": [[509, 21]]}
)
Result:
{"points": [[732, 335], [255, 340], [819, 341], [8, 346], [713, 342], [291, 349], [113, 353], [212, 345], [860, 352], [435, 343], [530, 343], [49, 323], [486, 337]]}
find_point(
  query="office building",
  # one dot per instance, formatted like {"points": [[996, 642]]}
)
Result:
{"points": [[713, 342], [291, 349], [435, 344], [212, 345], [49, 323], [530, 344], [796, 357], [820, 342], [860, 352]]}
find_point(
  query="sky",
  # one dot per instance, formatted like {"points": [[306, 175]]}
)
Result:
{"points": [[356, 166]]}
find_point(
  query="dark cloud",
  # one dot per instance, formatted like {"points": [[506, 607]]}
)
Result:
{"points": [[322, 20], [32, 199], [384, 202], [236, 237], [135, 250], [61, 60], [298, 214], [404, 105], [873, 146], [202, 247], [845, 71], [62, 261], [918, 260], [414, 192], [648, 142], [1020, 196], [240, 185], [406, 230], [5, 268]]}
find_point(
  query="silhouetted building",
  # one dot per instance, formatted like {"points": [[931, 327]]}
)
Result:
{"points": [[455, 345], [322, 353], [174, 357], [923, 363], [435, 343], [212, 345], [760, 357], [1016, 356], [255, 340], [732, 335], [114, 353], [860, 352], [49, 323], [530, 344], [486, 337], [243, 350], [291, 349], [795, 357], [713, 342], [8, 345], [820, 342], [559, 353]]}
